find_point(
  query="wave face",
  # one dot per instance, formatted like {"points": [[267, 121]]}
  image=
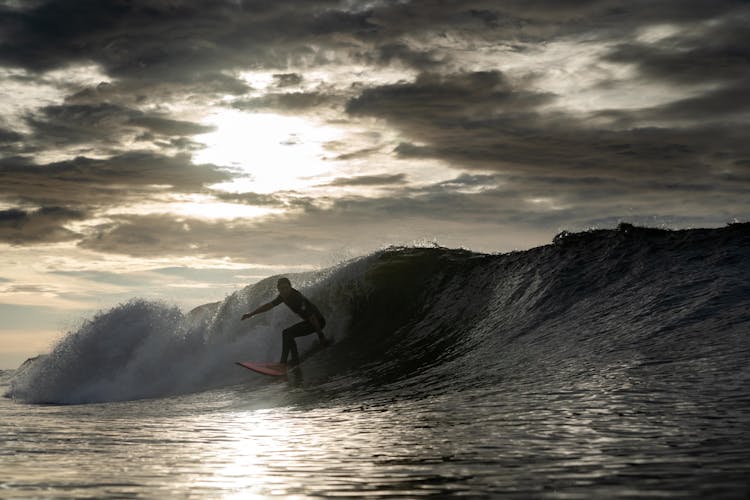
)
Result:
{"points": [[670, 307]]}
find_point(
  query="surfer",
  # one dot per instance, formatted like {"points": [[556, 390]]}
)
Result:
{"points": [[313, 320]]}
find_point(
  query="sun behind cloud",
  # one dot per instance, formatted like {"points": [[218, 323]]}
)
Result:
{"points": [[271, 152]]}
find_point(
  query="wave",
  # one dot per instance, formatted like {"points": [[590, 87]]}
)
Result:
{"points": [[422, 321]]}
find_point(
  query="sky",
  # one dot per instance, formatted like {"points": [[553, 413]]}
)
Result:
{"points": [[181, 150]]}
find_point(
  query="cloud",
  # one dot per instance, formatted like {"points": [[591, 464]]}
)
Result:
{"points": [[242, 241], [438, 99], [169, 41], [487, 212], [289, 101], [313, 227], [45, 225], [287, 79], [369, 180], [389, 53], [131, 170], [482, 121], [191, 41], [83, 186], [106, 124], [440, 92], [139, 93], [706, 52], [709, 112], [8, 136]]}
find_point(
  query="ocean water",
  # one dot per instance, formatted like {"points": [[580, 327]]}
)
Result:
{"points": [[610, 363]]}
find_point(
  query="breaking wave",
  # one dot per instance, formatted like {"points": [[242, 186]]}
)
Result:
{"points": [[604, 304]]}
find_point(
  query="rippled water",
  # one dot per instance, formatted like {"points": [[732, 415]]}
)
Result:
{"points": [[589, 441]]}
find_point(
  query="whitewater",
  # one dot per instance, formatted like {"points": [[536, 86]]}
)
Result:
{"points": [[609, 363]]}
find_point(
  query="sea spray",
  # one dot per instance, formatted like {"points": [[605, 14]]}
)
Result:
{"points": [[145, 349], [138, 349]]}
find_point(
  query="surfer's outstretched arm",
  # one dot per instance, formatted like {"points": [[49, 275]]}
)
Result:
{"points": [[265, 307]]}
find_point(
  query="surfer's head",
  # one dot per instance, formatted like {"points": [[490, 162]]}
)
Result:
{"points": [[284, 286]]}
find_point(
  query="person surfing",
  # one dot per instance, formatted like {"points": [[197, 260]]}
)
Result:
{"points": [[312, 319]]}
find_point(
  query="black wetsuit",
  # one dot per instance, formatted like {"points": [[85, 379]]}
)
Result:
{"points": [[304, 309]]}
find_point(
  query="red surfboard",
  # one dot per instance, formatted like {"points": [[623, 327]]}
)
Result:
{"points": [[272, 369]]}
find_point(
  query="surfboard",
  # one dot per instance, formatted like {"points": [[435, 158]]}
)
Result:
{"points": [[272, 369]]}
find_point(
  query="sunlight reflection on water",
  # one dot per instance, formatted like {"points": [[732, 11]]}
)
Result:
{"points": [[225, 444]]}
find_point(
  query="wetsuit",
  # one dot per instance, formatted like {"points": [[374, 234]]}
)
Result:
{"points": [[304, 309]]}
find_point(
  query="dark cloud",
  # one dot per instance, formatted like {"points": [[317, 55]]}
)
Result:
{"points": [[255, 199], [479, 120], [52, 33], [712, 58], [106, 124], [44, 225], [706, 52], [86, 182], [181, 41], [169, 41], [401, 52], [11, 143], [474, 207], [287, 79], [137, 93], [8, 136], [707, 113], [289, 101], [437, 99], [369, 180], [353, 155]]}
